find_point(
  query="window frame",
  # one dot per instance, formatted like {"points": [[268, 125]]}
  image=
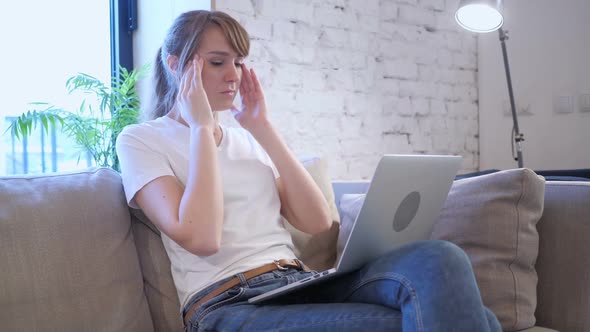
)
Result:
{"points": [[123, 20]]}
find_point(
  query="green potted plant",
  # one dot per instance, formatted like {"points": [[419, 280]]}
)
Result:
{"points": [[93, 130]]}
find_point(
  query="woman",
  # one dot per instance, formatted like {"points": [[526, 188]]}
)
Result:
{"points": [[217, 195]]}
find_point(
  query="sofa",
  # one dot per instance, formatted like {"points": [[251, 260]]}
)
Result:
{"points": [[74, 257]]}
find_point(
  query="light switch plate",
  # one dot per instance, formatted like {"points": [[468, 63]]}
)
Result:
{"points": [[584, 102], [563, 104]]}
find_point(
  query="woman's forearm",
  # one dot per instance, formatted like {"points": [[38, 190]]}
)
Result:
{"points": [[310, 212], [201, 207]]}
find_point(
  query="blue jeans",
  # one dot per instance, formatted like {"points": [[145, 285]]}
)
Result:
{"points": [[424, 286]]}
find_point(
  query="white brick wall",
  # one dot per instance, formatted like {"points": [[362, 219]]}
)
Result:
{"points": [[350, 80]]}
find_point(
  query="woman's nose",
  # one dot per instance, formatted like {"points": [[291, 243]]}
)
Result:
{"points": [[232, 74]]}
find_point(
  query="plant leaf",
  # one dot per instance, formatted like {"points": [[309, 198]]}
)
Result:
{"points": [[94, 131]]}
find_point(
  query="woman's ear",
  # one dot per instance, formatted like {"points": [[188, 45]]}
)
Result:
{"points": [[172, 62]]}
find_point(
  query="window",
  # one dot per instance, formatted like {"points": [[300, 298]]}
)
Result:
{"points": [[44, 44], [40, 153]]}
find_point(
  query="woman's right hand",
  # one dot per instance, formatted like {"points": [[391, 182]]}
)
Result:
{"points": [[192, 99]]}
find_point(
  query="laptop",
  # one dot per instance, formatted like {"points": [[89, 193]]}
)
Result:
{"points": [[402, 204]]}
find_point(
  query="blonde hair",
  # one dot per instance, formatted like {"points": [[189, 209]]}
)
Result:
{"points": [[182, 40]]}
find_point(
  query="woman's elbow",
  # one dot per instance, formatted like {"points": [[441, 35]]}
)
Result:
{"points": [[324, 223], [327, 218], [327, 224], [202, 249], [204, 239]]}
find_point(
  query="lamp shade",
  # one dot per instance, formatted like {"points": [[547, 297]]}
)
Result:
{"points": [[480, 15]]}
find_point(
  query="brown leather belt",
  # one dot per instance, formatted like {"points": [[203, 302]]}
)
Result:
{"points": [[281, 264]]}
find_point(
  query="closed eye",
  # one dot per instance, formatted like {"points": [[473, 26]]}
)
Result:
{"points": [[218, 63]]}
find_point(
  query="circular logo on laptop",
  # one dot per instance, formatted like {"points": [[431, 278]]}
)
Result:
{"points": [[406, 211]]}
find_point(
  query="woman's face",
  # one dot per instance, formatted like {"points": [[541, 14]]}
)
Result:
{"points": [[222, 70]]}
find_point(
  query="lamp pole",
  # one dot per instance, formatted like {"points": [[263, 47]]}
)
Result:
{"points": [[518, 136]]}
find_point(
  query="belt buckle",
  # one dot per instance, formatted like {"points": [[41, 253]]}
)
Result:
{"points": [[278, 264]]}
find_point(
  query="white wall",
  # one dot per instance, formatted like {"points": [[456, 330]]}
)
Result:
{"points": [[349, 80], [549, 54], [154, 19]]}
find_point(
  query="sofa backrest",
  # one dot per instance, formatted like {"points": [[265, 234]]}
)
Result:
{"points": [[158, 283], [68, 255], [563, 264]]}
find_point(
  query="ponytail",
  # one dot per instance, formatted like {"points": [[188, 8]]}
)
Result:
{"points": [[163, 88]]}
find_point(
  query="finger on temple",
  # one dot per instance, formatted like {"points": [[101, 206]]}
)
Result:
{"points": [[180, 87], [200, 61], [246, 78], [184, 79], [187, 67], [243, 65], [198, 70], [255, 80], [191, 73], [242, 89]]}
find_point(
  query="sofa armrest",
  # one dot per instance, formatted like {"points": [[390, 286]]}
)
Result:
{"points": [[348, 187], [563, 264]]}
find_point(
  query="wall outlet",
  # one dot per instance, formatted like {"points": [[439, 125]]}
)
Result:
{"points": [[563, 104], [584, 102]]}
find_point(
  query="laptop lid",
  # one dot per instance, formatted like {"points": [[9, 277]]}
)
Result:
{"points": [[402, 204]]}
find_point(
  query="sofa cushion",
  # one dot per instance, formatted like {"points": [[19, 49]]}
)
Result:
{"points": [[493, 218], [68, 255]]}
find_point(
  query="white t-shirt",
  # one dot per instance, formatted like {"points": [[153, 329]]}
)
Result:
{"points": [[253, 233]]}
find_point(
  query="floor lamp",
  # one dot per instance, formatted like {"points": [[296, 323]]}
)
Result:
{"points": [[486, 16]]}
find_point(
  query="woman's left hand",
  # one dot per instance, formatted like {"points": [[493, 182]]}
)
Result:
{"points": [[252, 114]]}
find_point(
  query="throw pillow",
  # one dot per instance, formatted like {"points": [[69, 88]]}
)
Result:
{"points": [[493, 218], [318, 251]]}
